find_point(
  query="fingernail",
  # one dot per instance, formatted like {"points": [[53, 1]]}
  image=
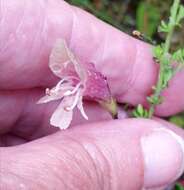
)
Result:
{"points": [[163, 153]]}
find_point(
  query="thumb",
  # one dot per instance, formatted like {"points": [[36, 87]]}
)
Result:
{"points": [[129, 154]]}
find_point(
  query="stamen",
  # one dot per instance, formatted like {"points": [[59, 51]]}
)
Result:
{"points": [[47, 92], [60, 83], [77, 96], [81, 108], [65, 79], [69, 92], [51, 92]]}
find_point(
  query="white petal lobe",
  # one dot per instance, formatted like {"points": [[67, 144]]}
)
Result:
{"points": [[81, 108], [61, 118], [59, 58]]}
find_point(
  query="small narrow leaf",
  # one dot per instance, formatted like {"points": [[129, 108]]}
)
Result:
{"points": [[167, 76], [155, 100], [178, 55], [180, 15], [140, 112], [140, 109], [163, 27], [135, 114], [158, 52]]}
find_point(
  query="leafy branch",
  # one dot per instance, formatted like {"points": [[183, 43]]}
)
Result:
{"points": [[169, 62]]}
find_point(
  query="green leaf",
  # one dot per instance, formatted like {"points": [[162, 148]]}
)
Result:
{"points": [[166, 60], [180, 15], [178, 56], [147, 18], [164, 27], [174, 12], [154, 100], [140, 112], [158, 52], [167, 76], [140, 109], [136, 114]]}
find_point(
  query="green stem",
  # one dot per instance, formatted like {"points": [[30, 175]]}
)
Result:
{"points": [[167, 45], [172, 25]]}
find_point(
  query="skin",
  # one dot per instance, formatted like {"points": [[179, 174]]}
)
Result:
{"points": [[80, 157]]}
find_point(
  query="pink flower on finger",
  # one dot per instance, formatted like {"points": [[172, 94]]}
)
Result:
{"points": [[70, 88], [77, 80]]}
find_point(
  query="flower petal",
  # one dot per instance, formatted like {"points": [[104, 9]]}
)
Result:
{"points": [[54, 95], [81, 108], [61, 117], [59, 58], [80, 70], [47, 98]]}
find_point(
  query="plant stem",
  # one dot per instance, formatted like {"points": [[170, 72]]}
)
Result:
{"points": [[159, 88], [171, 25]]}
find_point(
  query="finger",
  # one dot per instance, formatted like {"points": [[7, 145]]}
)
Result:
{"points": [[128, 154], [170, 126], [8, 140], [127, 63], [22, 116]]}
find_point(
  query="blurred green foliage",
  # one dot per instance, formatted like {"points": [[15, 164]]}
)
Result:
{"points": [[128, 15], [179, 187], [177, 120], [147, 18], [112, 12]]}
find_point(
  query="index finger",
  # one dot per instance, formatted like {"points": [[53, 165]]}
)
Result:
{"points": [[26, 44]]}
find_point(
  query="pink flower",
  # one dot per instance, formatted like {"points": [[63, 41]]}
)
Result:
{"points": [[70, 89]]}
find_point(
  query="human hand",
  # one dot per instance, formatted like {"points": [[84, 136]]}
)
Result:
{"points": [[101, 154]]}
